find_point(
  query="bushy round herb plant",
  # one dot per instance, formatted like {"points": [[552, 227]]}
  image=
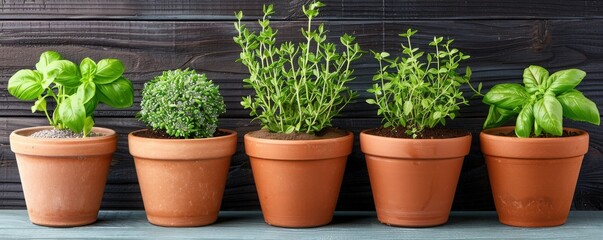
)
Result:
{"points": [[77, 90], [541, 103], [298, 87], [419, 90], [182, 103]]}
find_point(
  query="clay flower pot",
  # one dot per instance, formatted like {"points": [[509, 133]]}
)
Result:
{"points": [[533, 179], [413, 180], [63, 179], [182, 180], [298, 181]]}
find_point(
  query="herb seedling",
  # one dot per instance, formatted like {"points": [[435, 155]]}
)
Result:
{"points": [[541, 103], [77, 90], [298, 87], [419, 90]]}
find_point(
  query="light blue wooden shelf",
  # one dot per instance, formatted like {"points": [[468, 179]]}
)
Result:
{"points": [[14, 224]]}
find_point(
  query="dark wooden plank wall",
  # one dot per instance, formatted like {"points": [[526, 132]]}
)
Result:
{"points": [[503, 37]]}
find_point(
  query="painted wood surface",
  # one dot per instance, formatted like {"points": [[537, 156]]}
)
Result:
{"points": [[153, 36], [345, 225]]}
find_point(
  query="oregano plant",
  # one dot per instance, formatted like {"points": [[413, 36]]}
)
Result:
{"points": [[419, 90], [77, 90], [541, 103], [182, 103], [298, 86]]}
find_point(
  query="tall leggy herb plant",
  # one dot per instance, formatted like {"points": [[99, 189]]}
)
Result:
{"points": [[419, 90], [298, 87], [77, 90]]}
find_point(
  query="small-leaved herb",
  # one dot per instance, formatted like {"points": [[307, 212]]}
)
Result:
{"points": [[298, 87], [541, 103], [182, 103], [419, 90], [77, 90]]}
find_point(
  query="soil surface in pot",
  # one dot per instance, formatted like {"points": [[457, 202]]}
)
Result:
{"points": [[160, 134], [565, 134], [431, 133], [62, 133], [323, 134]]}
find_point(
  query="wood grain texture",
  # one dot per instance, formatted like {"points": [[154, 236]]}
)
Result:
{"points": [[152, 36], [345, 225], [291, 10]]}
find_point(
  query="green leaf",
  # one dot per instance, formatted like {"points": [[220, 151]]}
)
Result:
{"points": [[91, 106], [108, 70], [64, 72], [525, 122], [548, 113], [88, 124], [533, 77], [565, 80], [45, 59], [371, 101], [579, 108], [26, 84], [39, 105], [289, 129], [118, 94], [497, 117], [86, 91], [407, 107], [73, 114], [87, 67], [507, 95]]}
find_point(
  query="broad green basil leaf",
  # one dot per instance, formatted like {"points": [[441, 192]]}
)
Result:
{"points": [[407, 107], [88, 124], [497, 117], [46, 58], [91, 106], [108, 70], [73, 114], [64, 72], [579, 108], [565, 80], [26, 84], [507, 95], [548, 113], [537, 129], [524, 122], [87, 68], [118, 94], [39, 105], [86, 91], [533, 77]]}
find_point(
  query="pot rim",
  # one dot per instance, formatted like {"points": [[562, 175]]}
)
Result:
{"points": [[230, 133], [489, 133], [363, 132], [297, 142], [18, 133]]}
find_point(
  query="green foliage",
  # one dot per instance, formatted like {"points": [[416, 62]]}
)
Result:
{"points": [[541, 103], [419, 90], [182, 103], [77, 90], [298, 87]]}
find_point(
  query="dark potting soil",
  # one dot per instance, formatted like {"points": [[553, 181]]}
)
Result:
{"points": [[565, 134], [323, 134], [160, 134], [433, 133], [61, 133]]}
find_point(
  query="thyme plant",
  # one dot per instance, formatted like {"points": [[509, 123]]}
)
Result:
{"points": [[298, 86], [182, 103], [419, 90]]}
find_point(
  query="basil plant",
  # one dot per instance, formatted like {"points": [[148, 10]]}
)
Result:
{"points": [[77, 90], [541, 103]]}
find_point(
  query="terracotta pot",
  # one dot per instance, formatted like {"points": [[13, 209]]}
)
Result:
{"points": [[413, 180], [298, 181], [533, 179], [182, 180], [63, 179]]}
